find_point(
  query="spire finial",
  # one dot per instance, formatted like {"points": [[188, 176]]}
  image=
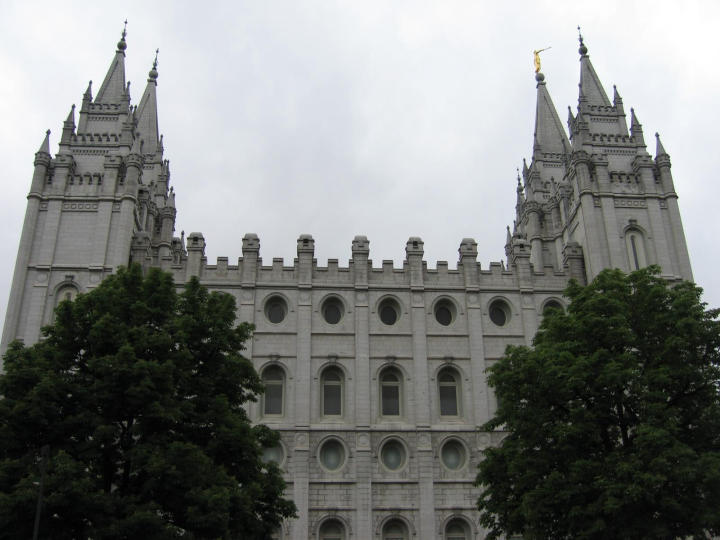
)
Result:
{"points": [[121, 44], [583, 49], [153, 72]]}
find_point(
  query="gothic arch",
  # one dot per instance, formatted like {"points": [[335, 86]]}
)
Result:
{"points": [[636, 246]]}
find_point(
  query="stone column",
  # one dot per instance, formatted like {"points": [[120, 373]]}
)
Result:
{"points": [[363, 455]]}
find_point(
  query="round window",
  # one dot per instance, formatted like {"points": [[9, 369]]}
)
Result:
{"points": [[499, 312], [445, 312], [332, 455], [389, 311], [453, 455], [276, 309], [332, 311], [274, 453], [393, 455]]}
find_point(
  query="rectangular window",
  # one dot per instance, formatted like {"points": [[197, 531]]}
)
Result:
{"points": [[273, 398], [331, 400], [390, 400], [448, 401]]}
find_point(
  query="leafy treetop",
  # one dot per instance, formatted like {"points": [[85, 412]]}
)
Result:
{"points": [[138, 393], [613, 418]]}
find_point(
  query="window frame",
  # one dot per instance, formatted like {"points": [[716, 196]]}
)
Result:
{"points": [[403, 448], [456, 384], [399, 385], [344, 449], [636, 249], [275, 382], [340, 383], [465, 453]]}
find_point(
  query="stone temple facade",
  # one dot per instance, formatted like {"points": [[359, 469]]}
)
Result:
{"points": [[375, 375]]}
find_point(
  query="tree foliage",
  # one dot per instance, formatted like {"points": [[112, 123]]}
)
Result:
{"points": [[613, 418], [138, 392]]}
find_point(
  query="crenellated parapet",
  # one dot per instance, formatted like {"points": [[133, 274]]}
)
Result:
{"points": [[251, 271]]}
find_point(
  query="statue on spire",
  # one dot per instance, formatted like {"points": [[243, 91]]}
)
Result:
{"points": [[536, 58]]}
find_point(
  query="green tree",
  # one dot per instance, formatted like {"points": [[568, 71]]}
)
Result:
{"points": [[138, 392], [613, 418]]}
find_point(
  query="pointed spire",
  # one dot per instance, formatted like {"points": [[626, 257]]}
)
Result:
{"points": [[87, 96], [659, 149], [508, 237], [550, 136], [571, 121], [146, 112], [591, 89], [71, 116], [113, 87], [68, 127], [45, 146], [635, 126]]}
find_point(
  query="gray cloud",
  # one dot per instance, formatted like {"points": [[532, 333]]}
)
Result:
{"points": [[386, 119]]}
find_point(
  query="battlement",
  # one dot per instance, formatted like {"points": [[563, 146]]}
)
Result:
{"points": [[360, 270]]}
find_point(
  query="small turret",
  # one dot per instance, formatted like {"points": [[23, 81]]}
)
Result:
{"points": [[636, 131], [45, 145], [68, 129], [42, 162], [618, 101], [659, 148]]}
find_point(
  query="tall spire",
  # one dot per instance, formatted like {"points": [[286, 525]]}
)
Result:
{"points": [[591, 90], [146, 113], [550, 136], [113, 87]]}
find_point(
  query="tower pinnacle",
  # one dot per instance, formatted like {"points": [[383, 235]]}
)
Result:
{"points": [[113, 87]]}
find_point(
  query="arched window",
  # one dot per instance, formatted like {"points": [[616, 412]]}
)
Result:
{"points": [[394, 530], [391, 393], [332, 530], [457, 529], [449, 392], [332, 392], [66, 292], [635, 244], [274, 380]]}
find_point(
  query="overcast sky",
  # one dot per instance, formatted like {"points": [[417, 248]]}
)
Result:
{"points": [[389, 119]]}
